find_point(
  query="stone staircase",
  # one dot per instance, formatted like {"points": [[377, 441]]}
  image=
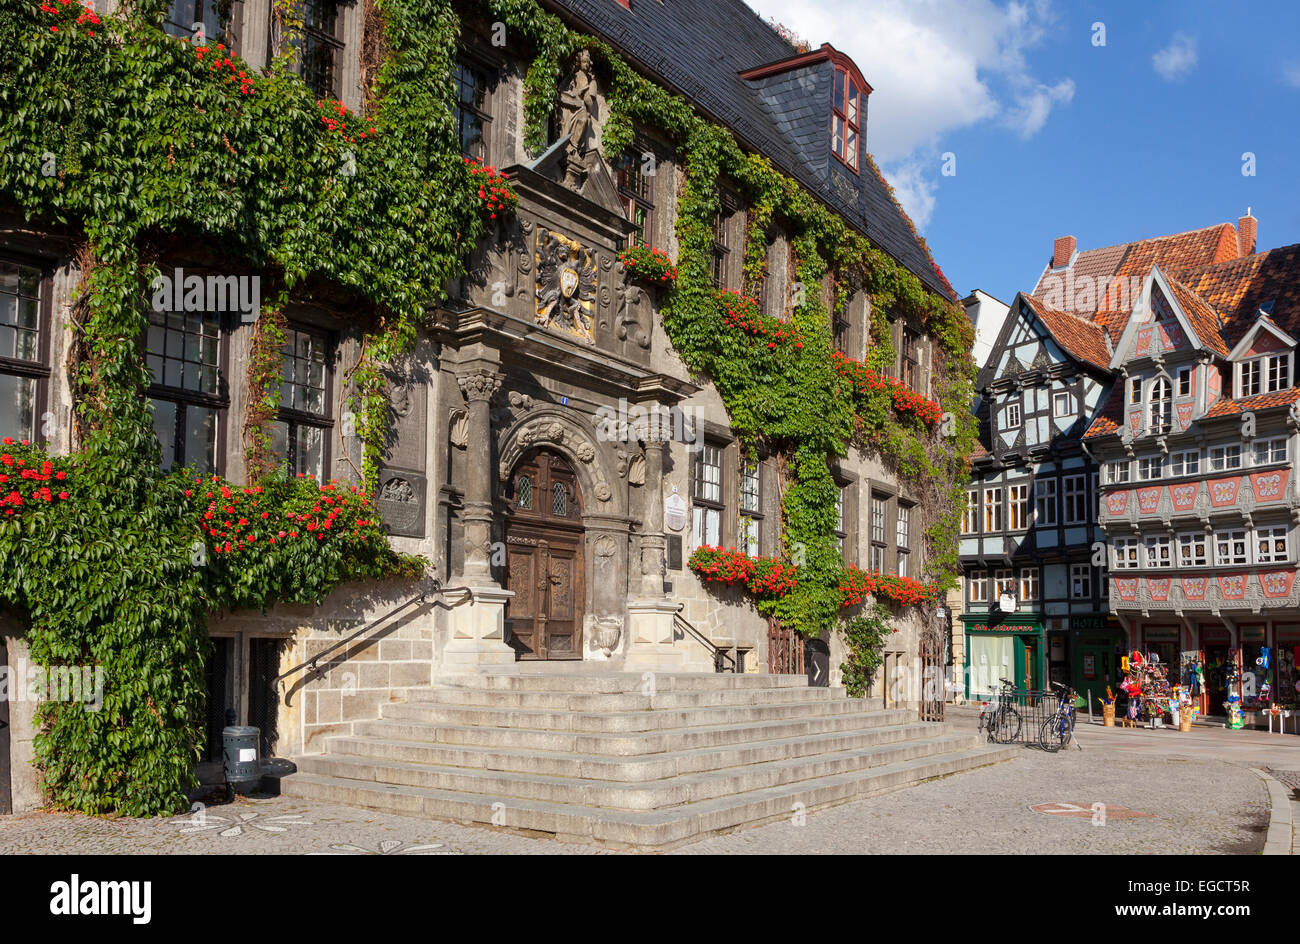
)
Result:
{"points": [[590, 758]]}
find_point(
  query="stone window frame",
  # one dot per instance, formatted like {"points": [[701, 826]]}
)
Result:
{"points": [[755, 515], [183, 398], [294, 418], [634, 199], [38, 371], [485, 111], [724, 239]]}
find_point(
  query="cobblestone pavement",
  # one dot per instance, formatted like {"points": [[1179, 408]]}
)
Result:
{"points": [[1196, 805]]}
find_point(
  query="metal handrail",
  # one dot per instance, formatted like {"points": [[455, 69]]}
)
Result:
{"points": [[720, 656], [312, 664]]}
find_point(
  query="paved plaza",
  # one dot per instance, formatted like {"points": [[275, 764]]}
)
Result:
{"points": [[1125, 792]]}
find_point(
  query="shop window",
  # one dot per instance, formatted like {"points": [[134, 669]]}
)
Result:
{"points": [[636, 176], [184, 354], [751, 507], [472, 117], [300, 435], [1045, 502], [24, 319], [706, 496]]}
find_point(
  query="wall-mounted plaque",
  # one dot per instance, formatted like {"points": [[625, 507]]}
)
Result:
{"points": [[674, 511], [400, 499], [674, 549]]}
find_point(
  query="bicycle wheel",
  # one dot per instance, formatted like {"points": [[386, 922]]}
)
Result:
{"points": [[1054, 734], [1007, 725]]}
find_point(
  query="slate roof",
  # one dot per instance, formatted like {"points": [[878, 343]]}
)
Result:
{"points": [[699, 48], [1081, 339]]}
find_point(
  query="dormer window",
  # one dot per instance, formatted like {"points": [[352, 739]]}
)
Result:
{"points": [[1162, 406], [847, 120], [1263, 375]]}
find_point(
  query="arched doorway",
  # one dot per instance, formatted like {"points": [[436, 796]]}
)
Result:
{"points": [[544, 565]]}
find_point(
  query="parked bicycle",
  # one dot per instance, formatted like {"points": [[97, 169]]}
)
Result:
{"points": [[1000, 718], [1057, 730]]}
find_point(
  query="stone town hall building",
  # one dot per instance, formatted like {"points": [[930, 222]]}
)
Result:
{"points": [[551, 540]]}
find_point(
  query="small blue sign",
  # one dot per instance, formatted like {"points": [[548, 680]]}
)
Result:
{"points": [[564, 401]]}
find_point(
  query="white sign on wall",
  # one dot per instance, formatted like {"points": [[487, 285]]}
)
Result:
{"points": [[674, 511]]}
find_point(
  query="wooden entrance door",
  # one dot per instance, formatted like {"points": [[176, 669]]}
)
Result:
{"points": [[544, 563]]}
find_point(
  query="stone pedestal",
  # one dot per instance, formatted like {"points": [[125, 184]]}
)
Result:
{"points": [[478, 628], [650, 637]]}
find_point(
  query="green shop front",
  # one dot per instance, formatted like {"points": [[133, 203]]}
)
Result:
{"points": [[1096, 644], [1013, 648]]}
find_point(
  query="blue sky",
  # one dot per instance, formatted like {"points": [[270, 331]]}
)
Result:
{"points": [[1053, 135]]}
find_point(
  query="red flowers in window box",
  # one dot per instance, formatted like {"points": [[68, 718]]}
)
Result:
{"points": [[904, 398], [653, 265], [496, 194], [856, 585], [24, 472], [741, 312], [764, 577]]}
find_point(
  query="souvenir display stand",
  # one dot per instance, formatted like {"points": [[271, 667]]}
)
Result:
{"points": [[1152, 700]]}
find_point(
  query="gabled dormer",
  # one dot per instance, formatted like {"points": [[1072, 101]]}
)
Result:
{"points": [[819, 101], [1169, 358], [1263, 361]]}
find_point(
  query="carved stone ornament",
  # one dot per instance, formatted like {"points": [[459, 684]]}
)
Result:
{"points": [[401, 396], [636, 470], [520, 401], [479, 384], [459, 429], [566, 285], [605, 632], [605, 546]]}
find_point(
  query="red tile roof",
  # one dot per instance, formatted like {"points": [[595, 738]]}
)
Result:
{"points": [[1111, 417], [1205, 320], [1080, 338], [1261, 402], [1238, 288]]}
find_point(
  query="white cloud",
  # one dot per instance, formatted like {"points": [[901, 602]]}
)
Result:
{"points": [[935, 66], [913, 189], [1177, 59], [1291, 75]]}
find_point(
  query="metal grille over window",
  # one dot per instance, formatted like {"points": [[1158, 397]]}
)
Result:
{"points": [[559, 500], [20, 348], [524, 492], [182, 353]]}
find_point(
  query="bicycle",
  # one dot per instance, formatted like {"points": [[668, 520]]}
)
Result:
{"points": [[1058, 729], [1004, 722]]}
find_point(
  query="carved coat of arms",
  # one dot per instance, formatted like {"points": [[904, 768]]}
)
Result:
{"points": [[566, 285]]}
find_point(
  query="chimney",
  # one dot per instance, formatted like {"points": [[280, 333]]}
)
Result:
{"points": [[1247, 230], [1063, 251]]}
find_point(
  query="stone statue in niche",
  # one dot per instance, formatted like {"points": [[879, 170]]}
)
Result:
{"points": [[578, 104], [566, 285]]}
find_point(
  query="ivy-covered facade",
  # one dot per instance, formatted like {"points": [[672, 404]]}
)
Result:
{"points": [[387, 340]]}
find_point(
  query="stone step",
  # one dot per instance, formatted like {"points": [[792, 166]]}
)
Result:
{"points": [[620, 701], [537, 680], [628, 744], [635, 769], [649, 830], [611, 722], [648, 795]]}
